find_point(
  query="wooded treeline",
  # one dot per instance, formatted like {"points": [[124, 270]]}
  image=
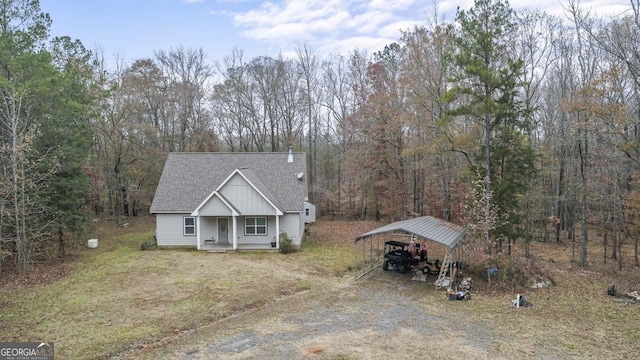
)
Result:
{"points": [[520, 125]]}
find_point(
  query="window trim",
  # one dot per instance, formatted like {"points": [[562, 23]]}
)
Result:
{"points": [[185, 226], [255, 226]]}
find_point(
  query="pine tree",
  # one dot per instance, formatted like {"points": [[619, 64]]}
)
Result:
{"points": [[485, 90], [43, 132]]}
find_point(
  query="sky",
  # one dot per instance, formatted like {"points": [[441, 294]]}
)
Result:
{"points": [[134, 29]]}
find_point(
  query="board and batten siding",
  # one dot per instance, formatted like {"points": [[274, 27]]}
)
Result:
{"points": [[245, 198], [169, 231], [215, 207]]}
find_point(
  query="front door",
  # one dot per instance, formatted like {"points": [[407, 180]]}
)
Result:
{"points": [[223, 230]]}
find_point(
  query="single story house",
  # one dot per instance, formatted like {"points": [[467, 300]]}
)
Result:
{"points": [[231, 201]]}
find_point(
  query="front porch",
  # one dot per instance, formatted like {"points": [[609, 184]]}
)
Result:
{"points": [[228, 233], [240, 247]]}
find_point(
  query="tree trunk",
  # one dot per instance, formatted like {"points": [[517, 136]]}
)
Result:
{"points": [[584, 152], [61, 247], [559, 202], [487, 182], [619, 251], [604, 246], [635, 251]]}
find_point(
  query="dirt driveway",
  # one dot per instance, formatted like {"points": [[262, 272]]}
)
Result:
{"points": [[383, 316]]}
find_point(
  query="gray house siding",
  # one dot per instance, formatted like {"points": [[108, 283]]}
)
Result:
{"points": [[215, 207], [310, 212], [290, 223], [234, 186], [244, 239], [208, 228], [245, 198], [169, 230]]}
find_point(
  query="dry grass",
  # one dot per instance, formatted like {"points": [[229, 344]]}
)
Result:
{"points": [[117, 298], [330, 243], [573, 318]]}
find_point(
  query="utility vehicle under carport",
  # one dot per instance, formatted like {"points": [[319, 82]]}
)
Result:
{"points": [[369, 248]]}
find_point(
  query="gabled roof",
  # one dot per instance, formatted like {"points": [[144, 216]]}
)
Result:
{"points": [[427, 227], [224, 200], [255, 182], [188, 179]]}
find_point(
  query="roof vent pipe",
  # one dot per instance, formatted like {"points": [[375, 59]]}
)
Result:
{"points": [[290, 158]]}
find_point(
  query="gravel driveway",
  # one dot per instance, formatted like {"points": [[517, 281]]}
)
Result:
{"points": [[383, 316]]}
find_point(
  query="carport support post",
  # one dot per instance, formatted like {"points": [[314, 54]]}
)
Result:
{"points": [[355, 258], [378, 252], [364, 254], [370, 254]]}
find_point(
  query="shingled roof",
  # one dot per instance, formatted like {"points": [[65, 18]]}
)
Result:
{"points": [[189, 178]]}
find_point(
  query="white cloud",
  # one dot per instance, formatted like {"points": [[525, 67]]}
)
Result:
{"points": [[449, 7], [551, 7], [330, 24], [271, 14], [340, 26], [280, 32], [393, 30], [348, 45], [370, 22], [193, 1], [390, 5]]}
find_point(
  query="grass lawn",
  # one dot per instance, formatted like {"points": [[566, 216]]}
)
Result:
{"points": [[116, 297]]}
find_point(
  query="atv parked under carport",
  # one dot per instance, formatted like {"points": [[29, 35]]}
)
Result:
{"points": [[398, 257]]}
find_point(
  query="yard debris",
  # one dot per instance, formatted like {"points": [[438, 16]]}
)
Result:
{"points": [[631, 297], [419, 276], [489, 272], [521, 302], [465, 285], [458, 295], [463, 290], [539, 284], [634, 295]]}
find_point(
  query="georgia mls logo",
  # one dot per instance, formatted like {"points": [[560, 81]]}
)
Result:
{"points": [[26, 351], [48, 348]]}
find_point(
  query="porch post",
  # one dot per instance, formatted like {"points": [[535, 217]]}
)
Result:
{"points": [[235, 232], [277, 231], [198, 232]]}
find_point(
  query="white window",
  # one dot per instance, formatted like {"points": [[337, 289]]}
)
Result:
{"points": [[255, 226], [189, 226]]}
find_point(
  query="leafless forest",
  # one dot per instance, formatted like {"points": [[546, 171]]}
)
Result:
{"points": [[520, 125]]}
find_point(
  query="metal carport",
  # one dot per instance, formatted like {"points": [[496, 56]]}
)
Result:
{"points": [[368, 245]]}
